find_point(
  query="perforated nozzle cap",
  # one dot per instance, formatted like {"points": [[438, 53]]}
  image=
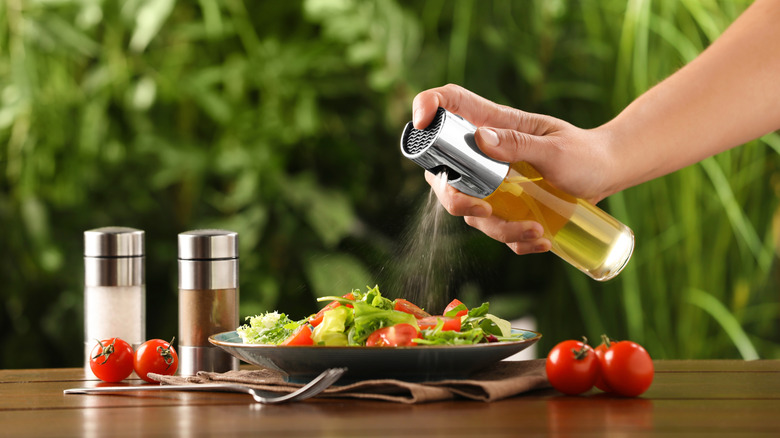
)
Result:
{"points": [[448, 144]]}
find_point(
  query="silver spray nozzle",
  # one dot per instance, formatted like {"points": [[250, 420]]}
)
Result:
{"points": [[448, 144]]}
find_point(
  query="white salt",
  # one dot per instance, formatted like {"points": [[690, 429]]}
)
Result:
{"points": [[113, 312]]}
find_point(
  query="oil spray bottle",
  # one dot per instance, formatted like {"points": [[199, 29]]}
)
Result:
{"points": [[581, 233]]}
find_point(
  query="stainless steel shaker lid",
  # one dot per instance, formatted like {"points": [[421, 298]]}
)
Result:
{"points": [[114, 242], [208, 245], [448, 144]]}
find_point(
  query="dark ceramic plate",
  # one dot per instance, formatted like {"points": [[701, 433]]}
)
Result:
{"points": [[423, 363]]}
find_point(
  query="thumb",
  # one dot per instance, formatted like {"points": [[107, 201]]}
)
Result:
{"points": [[510, 145]]}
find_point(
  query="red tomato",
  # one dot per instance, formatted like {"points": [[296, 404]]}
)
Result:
{"points": [[155, 356], [600, 382], [111, 360], [403, 305], [627, 368], [317, 318], [452, 324], [572, 367], [452, 305], [399, 335], [301, 336]]}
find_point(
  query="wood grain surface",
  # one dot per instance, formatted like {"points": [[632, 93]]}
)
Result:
{"points": [[687, 398]]}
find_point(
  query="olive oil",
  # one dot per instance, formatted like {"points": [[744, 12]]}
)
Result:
{"points": [[430, 259], [581, 233]]}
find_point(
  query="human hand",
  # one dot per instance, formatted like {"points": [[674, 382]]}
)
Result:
{"points": [[522, 237], [570, 158]]}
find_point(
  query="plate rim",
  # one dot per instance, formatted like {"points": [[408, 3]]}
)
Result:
{"points": [[212, 339]]}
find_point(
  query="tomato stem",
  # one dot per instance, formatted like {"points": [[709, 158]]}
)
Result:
{"points": [[582, 353], [105, 351], [165, 353]]}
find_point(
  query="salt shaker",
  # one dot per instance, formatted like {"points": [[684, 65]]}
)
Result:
{"points": [[208, 298], [114, 287]]}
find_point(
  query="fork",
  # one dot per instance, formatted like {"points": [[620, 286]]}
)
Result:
{"points": [[314, 387]]}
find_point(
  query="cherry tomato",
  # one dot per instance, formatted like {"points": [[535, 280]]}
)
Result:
{"points": [[600, 350], [111, 360], [155, 356], [317, 318], [627, 368], [430, 322], [403, 305], [606, 342], [572, 367], [399, 335], [301, 336], [455, 305]]}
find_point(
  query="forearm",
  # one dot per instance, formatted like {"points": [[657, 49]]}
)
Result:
{"points": [[727, 96]]}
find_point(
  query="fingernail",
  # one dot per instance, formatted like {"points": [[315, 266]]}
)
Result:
{"points": [[540, 248], [489, 137], [416, 116], [531, 235]]}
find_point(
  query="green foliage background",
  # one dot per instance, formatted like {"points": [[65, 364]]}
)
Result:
{"points": [[280, 120]]}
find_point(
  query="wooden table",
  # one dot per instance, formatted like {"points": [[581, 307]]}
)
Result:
{"points": [[687, 398]]}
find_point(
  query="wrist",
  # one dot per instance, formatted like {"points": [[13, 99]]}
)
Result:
{"points": [[612, 163]]}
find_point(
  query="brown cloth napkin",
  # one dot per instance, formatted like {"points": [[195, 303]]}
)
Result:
{"points": [[500, 380]]}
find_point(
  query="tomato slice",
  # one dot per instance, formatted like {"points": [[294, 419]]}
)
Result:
{"points": [[403, 305], [399, 335], [317, 318], [450, 324], [301, 336], [454, 305]]}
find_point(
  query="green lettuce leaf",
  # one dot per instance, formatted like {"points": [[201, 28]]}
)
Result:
{"points": [[269, 328], [332, 329]]}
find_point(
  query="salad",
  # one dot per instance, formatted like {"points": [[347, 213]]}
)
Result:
{"points": [[369, 319]]}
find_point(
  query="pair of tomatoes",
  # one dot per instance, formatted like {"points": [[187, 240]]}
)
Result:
{"points": [[623, 368], [113, 359]]}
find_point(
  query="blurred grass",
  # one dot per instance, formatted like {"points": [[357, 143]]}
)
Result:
{"points": [[713, 221], [280, 120]]}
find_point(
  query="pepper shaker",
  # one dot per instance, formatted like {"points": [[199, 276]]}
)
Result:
{"points": [[114, 287], [208, 298]]}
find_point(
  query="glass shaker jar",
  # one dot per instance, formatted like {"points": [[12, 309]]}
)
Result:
{"points": [[208, 298], [114, 287]]}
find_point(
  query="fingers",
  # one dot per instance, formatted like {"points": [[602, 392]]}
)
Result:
{"points": [[455, 202], [504, 133], [477, 110], [474, 108], [450, 97], [522, 237], [509, 145], [521, 248]]}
